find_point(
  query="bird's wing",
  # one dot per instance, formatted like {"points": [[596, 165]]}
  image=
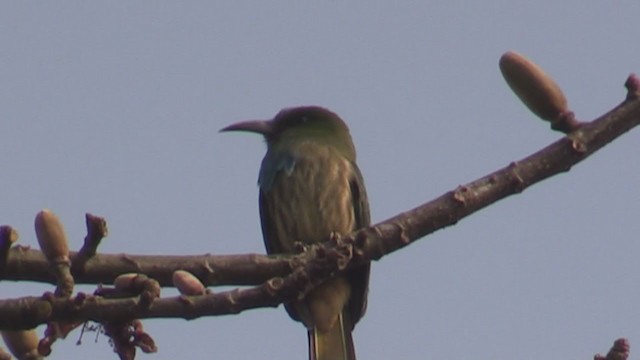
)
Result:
{"points": [[273, 163], [359, 276], [269, 234], [360, 200]]}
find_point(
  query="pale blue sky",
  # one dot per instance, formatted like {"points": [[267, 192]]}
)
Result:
{"points": [[114, 108]]}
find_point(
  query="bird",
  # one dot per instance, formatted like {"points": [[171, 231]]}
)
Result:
{"points": [[310, 189]]}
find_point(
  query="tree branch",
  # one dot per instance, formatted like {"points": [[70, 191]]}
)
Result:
{"points": [[558, 157], [26, 264], [312, 266]]}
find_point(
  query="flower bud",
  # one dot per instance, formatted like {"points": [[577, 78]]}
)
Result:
{"points": [[129, 282], [187, 283], [51, 237], [533, 86], [23, 344]]}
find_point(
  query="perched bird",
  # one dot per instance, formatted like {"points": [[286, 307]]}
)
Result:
{"points": [[311, 187]]}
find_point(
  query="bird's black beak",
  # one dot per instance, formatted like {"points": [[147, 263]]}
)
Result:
{"points": [[263, 127]]}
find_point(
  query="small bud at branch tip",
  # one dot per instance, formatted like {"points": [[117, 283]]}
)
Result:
{"points": [[633, 87]]}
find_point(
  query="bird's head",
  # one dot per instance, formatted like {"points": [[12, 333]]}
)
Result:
{"points": [[304, 123]]}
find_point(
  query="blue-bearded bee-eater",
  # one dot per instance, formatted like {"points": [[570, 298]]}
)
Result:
{"points": [[311, 187]]}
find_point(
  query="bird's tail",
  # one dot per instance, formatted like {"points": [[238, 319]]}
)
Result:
{"points": [[335, 344]]}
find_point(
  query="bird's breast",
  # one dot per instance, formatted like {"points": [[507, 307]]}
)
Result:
{"points": [[312, 198]]}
